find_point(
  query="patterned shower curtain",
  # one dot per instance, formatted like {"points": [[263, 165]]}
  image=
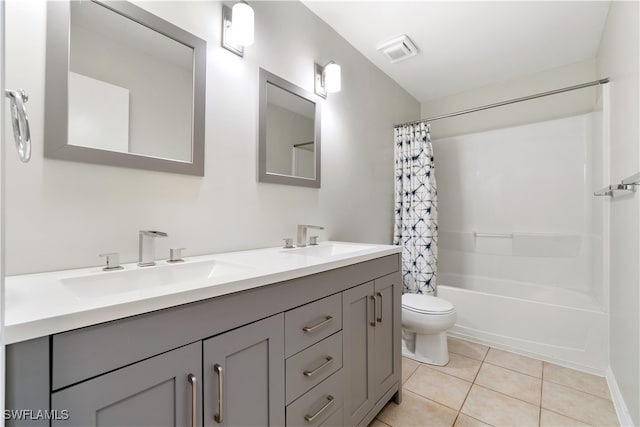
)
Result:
{"points": [[416, 208]]}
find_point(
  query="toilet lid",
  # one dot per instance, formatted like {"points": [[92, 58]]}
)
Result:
{"points": [[426, 304]]}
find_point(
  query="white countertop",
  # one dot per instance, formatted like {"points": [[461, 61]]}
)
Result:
{"points": [[41, 304]]}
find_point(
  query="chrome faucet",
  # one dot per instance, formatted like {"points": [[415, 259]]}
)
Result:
{"points": [[146, 247], [302, 234]]}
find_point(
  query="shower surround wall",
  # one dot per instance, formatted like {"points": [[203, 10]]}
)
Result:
{"points": [[619, 58], [516, 203], [521, 238], [62, 214]]}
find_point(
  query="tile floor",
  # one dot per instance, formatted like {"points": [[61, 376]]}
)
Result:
{"points": [[483, 386]]}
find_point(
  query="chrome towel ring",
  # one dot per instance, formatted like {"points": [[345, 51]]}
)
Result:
{"points": [[20, 122]]}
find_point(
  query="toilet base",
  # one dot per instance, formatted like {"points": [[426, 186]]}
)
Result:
{"points": [[431, 349]]}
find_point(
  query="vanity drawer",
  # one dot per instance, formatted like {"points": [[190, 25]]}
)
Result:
{"points": [[306, 325], [318, 404], [335, 420], [311, 366]]}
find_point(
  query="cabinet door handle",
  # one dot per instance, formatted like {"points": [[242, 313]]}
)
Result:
{"points": [[373, 322], [219, 416], [318, 325], [328, 362], [194, 400], [311, 418], [379, 294]]}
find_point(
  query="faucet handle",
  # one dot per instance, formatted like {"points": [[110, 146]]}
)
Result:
{"points": [[288, 243], [313, 240], [175, 255], [113, 261]]}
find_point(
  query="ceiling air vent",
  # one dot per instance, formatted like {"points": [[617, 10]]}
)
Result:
{"points": [[398, 49]]}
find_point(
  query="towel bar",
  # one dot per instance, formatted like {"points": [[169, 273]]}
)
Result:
{"points": [[628, 184], [496, 235]]}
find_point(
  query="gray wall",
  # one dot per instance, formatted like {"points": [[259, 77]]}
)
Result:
{"points": [[63, 214], [618, 58], [548, 108]]}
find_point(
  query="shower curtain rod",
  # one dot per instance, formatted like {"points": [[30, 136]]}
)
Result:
{"points": [[511, 101]]}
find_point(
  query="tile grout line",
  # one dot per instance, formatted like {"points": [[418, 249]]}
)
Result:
{"points": [[472, 382], [496, 391], [567, 416], [541, 390], [505, 394], [542, 378], [469, 391], [578, 389], [515, 370]]}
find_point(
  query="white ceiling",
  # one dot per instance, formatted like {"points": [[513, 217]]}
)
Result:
{"points": [[466, 45]]}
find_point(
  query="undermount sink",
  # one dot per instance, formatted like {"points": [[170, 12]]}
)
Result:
{"points": [[145, 278], [326, 250]]}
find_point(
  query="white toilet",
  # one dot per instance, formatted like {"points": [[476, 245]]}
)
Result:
{"points": [[425, 320]]}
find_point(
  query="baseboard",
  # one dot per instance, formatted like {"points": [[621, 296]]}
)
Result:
{"points": [[624, 417]]}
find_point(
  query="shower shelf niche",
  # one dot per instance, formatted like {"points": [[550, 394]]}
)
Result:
{"points": [[519, 244]]}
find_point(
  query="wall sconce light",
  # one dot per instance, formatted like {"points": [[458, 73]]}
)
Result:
{"points": [[237, 27], [327, 79]]}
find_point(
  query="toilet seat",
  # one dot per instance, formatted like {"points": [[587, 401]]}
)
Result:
{"points": [[426, 304]]}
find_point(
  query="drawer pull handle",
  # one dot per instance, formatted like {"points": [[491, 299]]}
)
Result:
{"points": [[318, 325], [219, 416], [328, 362], [311, 418], [379, 294], [194, 400], [373, 322]]}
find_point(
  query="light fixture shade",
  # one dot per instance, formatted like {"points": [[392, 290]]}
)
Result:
{"points": [[332, 78], [242, 24]]}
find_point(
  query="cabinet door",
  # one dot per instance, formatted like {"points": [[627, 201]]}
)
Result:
{"points": [[357, 332], [244, 370], [155, 392], [386, 354]]}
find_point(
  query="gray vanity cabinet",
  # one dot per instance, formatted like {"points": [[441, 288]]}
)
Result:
{"points": [[318, 350], [386, 354], [371, 320], [157, 392], [357, 332], [244, 375]]}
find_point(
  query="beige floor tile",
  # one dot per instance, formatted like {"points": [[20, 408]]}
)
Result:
{"points": [[512, 383], [445, 389], [467, 348], [467, 421], [378, 423], [416, 410], [582, 381], [582, 406], [499, 409], [551, 419], [408, 368], [516, 362], [460, 366]]}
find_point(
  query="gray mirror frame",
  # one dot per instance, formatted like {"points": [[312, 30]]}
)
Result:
{"points": [[263, 175], [57, 83]]}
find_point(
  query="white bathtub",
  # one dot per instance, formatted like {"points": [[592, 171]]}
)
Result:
{"points": [[552, 324]]}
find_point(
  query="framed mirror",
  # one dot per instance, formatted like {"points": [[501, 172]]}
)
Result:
{"points": [[123, 88], [288, 133]]}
